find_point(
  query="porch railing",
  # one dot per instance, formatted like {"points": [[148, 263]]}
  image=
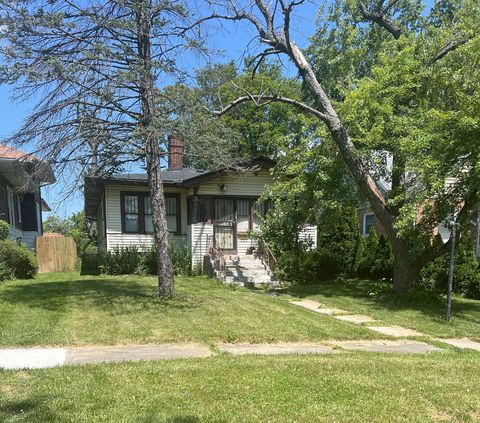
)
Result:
{"points": [[267, 255], [216, 253]]}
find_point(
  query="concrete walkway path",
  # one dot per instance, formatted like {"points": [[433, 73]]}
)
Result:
{"points": [[41, 358], [358, 319], [461, 343], [368, 322]]}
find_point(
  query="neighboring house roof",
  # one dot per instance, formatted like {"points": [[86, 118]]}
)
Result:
{"points": [[24, 170], [185, 177]]}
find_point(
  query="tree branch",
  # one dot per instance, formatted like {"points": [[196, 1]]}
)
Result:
{"points": [[379, 17], [257, 99]]}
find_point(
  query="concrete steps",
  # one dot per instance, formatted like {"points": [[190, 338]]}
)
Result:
{"points": [[246, 271]]}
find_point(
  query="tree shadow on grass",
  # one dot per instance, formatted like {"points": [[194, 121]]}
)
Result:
{"points": [[379, 295], [123, 296], [22, 408]]}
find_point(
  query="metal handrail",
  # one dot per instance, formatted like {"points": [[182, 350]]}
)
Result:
{"points": [[267, 255], [216, 252]]}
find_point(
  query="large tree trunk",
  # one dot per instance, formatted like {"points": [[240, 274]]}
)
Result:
{"points": [[166, 284], [406, 271]]}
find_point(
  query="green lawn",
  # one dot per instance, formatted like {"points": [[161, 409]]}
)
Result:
{"points": [[66, 309], [354, 387], [428, 317]]}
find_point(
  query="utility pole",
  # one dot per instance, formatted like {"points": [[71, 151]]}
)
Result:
{"points": [[452, 265]]}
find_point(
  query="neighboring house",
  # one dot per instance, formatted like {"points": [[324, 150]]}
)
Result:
{"points": [[21, 177], [204, 208], [368, 220]]}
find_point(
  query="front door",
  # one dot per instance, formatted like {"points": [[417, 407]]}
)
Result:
{"points": [[224, 224]]}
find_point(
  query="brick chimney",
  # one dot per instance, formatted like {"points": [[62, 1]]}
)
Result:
{"points": [[175, 153]]}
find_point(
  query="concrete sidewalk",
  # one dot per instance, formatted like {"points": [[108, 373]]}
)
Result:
{"points": [[41, 358]]}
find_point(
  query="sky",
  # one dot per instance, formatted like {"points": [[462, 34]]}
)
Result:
{"points": [[230, 40]]}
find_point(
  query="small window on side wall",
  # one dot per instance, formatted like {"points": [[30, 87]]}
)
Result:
{"points": [[368, 222]]}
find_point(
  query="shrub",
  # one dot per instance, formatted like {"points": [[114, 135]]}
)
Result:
{"points": [[129, 260], [466, 275], [181, 260], [6, 273], [4, 230], [123, 261], [339, 234], [320, 265], [382, 265], [18, 261]]}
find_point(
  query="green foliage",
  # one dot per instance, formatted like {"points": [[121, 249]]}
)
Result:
{"points": [[17, 260], [377, 259], [339, 234], [466, 275], [75, 226], [181, 259], [123, 261], [130, 260], [4, 230], [6, 272], [382, 266]]}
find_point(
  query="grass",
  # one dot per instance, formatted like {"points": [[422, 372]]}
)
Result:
{"points": [[360, 296], [66, 309], [357, 387]]}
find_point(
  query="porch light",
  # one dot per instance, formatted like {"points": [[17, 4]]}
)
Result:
{"points": [[223, 187]]}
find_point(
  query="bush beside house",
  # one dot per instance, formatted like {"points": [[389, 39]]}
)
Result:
{"points": [[16, 260], [466, 275], [130, 260], [341, 250]]}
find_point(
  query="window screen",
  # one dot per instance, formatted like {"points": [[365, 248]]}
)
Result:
{"points": [[131, 213]]}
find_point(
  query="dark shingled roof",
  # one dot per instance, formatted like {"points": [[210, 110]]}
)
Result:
{"points": [[169, 176], [185, 177]]}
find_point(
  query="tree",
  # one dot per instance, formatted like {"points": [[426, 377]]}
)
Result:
{"points": [[75, 226], [272, 23], [95, 68]]}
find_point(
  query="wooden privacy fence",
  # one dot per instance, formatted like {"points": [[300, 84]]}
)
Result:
{"points": [[56, 254]]}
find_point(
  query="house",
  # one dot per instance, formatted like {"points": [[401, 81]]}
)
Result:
{"points": [[22, 176], [205, 208], [368, 220]]}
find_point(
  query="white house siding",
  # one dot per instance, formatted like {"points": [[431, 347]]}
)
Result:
{"points": [[199, 236], [244, 243], [115, 237], [308, 234], [29, 238], [15, 233], [241, 184]]}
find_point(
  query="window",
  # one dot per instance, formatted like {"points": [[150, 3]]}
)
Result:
{"points": [[137, 213], [368, 221], [243, 213], [148, 217], [171, 207], [132, 213], [243, 207], [11, 206], [199, 209]]}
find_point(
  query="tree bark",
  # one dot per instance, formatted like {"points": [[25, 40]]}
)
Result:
{"points": [[166, 284], [406, 273]]}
